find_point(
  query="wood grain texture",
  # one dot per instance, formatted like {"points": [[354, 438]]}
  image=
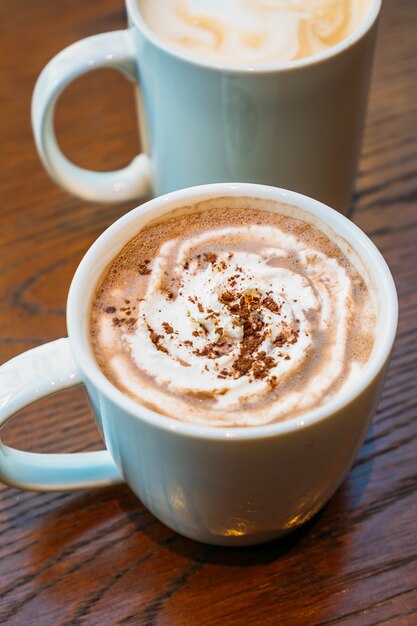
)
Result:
{"points": [[98, 557]]}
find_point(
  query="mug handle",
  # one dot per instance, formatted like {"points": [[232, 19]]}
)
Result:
{"points": [[28, 377], [114, 50]]}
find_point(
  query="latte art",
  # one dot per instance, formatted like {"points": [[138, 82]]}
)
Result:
{"points": [[240, 318], [253, 31]]}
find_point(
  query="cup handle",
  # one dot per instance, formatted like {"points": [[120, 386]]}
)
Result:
{"points": [[114, 50], [28, 377]]}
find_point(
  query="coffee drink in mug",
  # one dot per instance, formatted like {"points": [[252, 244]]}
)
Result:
{"points": [[234, 312], [254, 275], [253, 31], [269, 91]]}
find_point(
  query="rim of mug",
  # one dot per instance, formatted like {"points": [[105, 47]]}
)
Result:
{"points": [[366, 250], [132, 7]]}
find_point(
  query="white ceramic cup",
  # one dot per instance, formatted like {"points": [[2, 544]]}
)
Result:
{"points": [[227, 486], [296, 125]]}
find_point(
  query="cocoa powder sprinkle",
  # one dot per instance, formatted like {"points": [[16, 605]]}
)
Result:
{"points": [[156, 340], [270, 304], [210, 257], [143, 268]]}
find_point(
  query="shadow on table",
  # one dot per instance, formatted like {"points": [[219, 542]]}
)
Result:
{"points": [[104, 543], [97, 512]]}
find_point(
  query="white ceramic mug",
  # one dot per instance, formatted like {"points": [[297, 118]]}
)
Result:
{"points": [[227, 486], [296, 125]]}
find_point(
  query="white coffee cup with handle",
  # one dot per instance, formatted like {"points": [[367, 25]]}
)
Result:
{"points": [[296, 124], [226, 486]]}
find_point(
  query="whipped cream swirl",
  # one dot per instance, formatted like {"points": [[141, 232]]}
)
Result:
{"points": [[239, 325]]}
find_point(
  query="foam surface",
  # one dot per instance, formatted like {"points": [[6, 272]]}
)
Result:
{"points": [[232, 317], [253, 31]]}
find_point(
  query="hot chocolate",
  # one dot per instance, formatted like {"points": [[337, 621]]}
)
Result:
{"points": [[253, 31], [233, 312]]}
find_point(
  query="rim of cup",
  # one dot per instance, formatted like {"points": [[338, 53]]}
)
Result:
{"points": [[132, 7], [112, 240]]}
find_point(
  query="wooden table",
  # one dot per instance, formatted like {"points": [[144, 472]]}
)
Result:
{"points": [[98, 557]]}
